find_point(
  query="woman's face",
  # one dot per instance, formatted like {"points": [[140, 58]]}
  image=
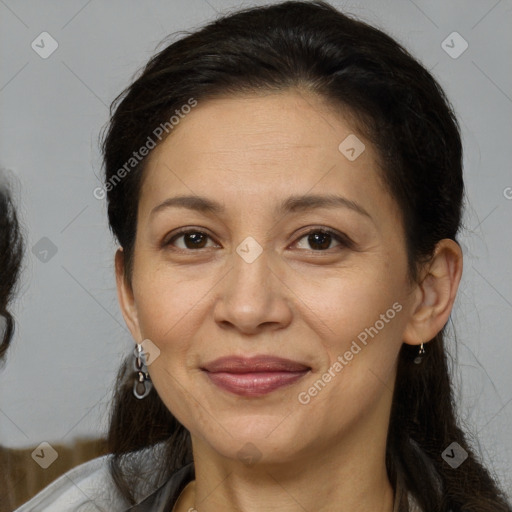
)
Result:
{"points": [[249, 281]]}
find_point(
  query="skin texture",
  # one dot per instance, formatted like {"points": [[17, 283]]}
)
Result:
{"points": [[295, 300]]}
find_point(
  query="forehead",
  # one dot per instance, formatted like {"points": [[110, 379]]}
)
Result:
{"points": [[257, 129], [259, 146]]}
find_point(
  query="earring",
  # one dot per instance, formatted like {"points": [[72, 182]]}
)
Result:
{"points": [[419, 357], [142, 385]]}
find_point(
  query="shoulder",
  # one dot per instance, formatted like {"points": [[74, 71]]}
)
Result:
{"points": [[87, 487]]}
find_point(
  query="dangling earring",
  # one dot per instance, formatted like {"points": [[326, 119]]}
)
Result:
{"points": [[419, 357], [142, 385]]}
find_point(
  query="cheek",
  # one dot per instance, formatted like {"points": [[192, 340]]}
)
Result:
{"points": [[165, 310], [365, 324], [165, 302], [362, 315], [345, 303]]}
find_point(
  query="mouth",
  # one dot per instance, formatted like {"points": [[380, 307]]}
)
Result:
{"points": [[255, 376]]}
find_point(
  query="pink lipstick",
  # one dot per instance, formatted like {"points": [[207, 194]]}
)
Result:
{"points": [[254, 376]]}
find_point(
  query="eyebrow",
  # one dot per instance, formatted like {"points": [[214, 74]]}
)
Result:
{"points": [[292, 204]]}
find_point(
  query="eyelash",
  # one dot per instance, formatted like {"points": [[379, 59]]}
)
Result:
{"points": [[339, 237]]}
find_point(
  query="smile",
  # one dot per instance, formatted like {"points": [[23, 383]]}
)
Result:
{"points": [[256, 376]]}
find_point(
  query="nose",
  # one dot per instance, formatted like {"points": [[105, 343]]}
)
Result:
{"points": [[253, 296]]}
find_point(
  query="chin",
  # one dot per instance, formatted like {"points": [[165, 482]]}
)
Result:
{"points": [[259, 440]]}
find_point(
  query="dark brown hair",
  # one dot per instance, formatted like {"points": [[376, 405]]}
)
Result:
{"points": [[403, 111], [11, 254]]}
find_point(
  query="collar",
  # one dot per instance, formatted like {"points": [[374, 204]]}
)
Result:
{"points": [[166, 495]]}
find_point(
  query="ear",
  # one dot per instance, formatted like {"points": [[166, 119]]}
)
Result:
{"points": [[435, 293], [125, 296]]}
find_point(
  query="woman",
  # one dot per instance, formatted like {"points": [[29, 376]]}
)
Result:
{"points": [[286, 188]]}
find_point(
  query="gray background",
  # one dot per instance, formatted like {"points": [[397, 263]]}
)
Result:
{"points": [[71, 337]]}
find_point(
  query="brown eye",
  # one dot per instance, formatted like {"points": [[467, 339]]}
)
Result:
{"points": [[320, 240], [191, 239]]}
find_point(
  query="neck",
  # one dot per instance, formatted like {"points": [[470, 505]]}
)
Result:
{"points": [[351, 478]]}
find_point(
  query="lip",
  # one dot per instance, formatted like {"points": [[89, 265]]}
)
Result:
{"points": [[263, 363], [254, 376]]}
